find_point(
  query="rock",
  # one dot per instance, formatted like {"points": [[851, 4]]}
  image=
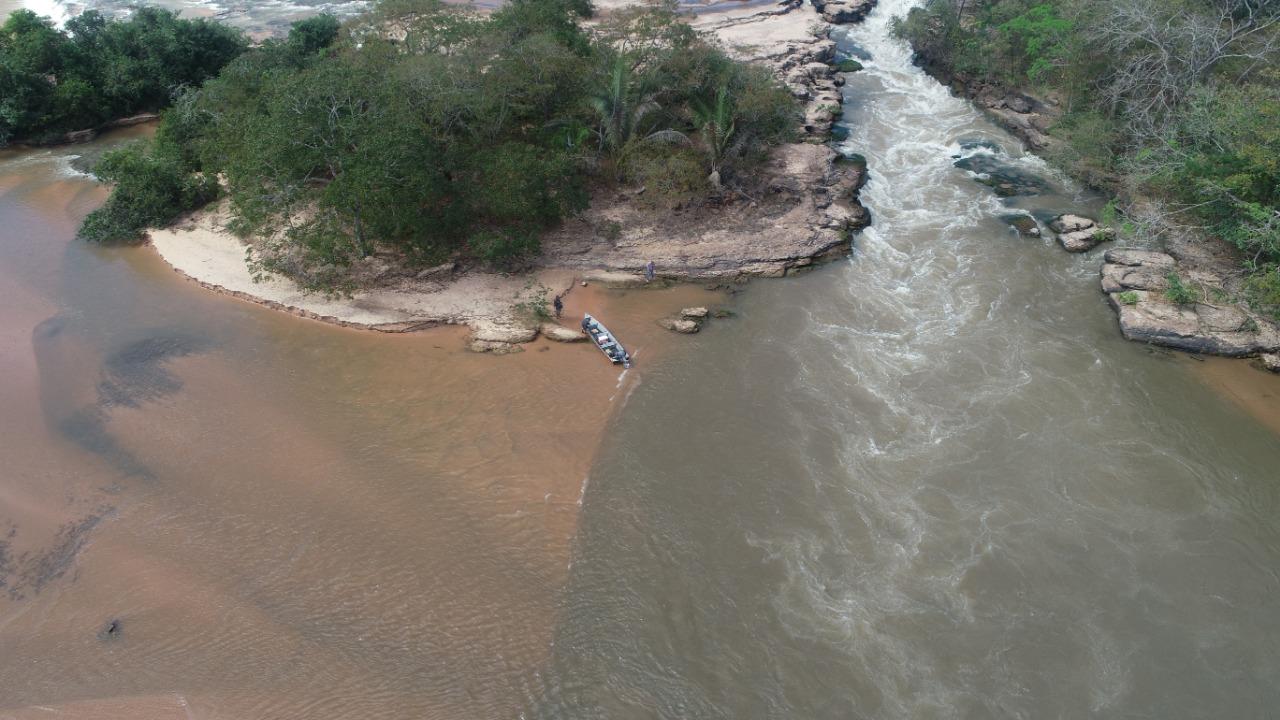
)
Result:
{"points": [[560, 333], [490, 331], [680, 325], [1270, 361], [1024, 224], [493, 347], [1134, 257], [1070, 223], [1018, 103], [1082, 240], [694, 313], [848, 66]]}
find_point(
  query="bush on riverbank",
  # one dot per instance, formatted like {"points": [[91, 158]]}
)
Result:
{"points": [[428, 129], [96, 70], [1176, 102]]}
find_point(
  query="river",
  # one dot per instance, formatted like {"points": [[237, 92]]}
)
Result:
{"points": [[930, 482]]}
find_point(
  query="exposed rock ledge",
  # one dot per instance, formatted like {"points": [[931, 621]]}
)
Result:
{"points": [[1135, 281]]}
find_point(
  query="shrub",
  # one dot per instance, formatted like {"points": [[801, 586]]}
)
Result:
{"points": [[1178, 292], [1128, 297], [1262, 290]]}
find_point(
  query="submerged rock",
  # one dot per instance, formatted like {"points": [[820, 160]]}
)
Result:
{"points": [[493, 347], [1024, 224]]}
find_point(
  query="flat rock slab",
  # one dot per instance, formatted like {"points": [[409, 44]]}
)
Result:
{"points": [[560, 333], [694, 313], [494, 331]]}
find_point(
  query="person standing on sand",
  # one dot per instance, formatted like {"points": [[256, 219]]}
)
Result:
{"points": [[558, 305]]}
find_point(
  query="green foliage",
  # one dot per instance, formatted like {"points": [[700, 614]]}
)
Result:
{"points": [[52, 81], [848, 65], [1128, 297], [313, 34], [151, 189], [427, 130], [1178, 292], [1262, 290]]}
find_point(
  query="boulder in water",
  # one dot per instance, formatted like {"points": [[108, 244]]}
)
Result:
{"points": [[680, 325], [694, 313]]}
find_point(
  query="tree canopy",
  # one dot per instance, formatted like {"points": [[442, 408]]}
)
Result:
{"points": [[429, 129], [53, 81]]}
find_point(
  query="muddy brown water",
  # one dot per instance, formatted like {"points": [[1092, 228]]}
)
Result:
{"points": [[214, 508], [931, 482]]}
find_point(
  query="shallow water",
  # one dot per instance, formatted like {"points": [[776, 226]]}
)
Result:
{"points": [[931, 483], [217, 509]]}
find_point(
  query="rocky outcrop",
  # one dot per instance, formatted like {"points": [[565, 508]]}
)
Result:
{"points": [[841, 12], [1270, 361], [1079, 234], [800, 210], [1136, 280]]}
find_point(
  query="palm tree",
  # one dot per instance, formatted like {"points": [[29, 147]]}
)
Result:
{"points": [[624, 106], [716, 123]]}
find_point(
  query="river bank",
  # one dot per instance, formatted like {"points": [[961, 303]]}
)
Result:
{"points": [[1137, 278], [798, 210]]}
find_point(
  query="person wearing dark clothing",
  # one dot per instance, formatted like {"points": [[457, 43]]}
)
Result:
{"points": [[558, 305], [649, 272]]}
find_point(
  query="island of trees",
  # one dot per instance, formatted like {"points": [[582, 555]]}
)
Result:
{"points": [[1171, 105], [431, 131]]}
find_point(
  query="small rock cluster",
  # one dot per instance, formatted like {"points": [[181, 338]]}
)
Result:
{"points": [[1079, 234], [687, 321]]}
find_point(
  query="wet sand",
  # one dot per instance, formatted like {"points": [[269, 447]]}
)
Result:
{"points": [[1255, 390]]}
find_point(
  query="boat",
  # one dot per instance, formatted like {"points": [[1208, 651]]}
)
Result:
{"points": [[606, 341]]}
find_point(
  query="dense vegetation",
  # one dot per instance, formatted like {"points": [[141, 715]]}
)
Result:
{"points": [[427, 129], [1172, 102], [53, 81]]}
